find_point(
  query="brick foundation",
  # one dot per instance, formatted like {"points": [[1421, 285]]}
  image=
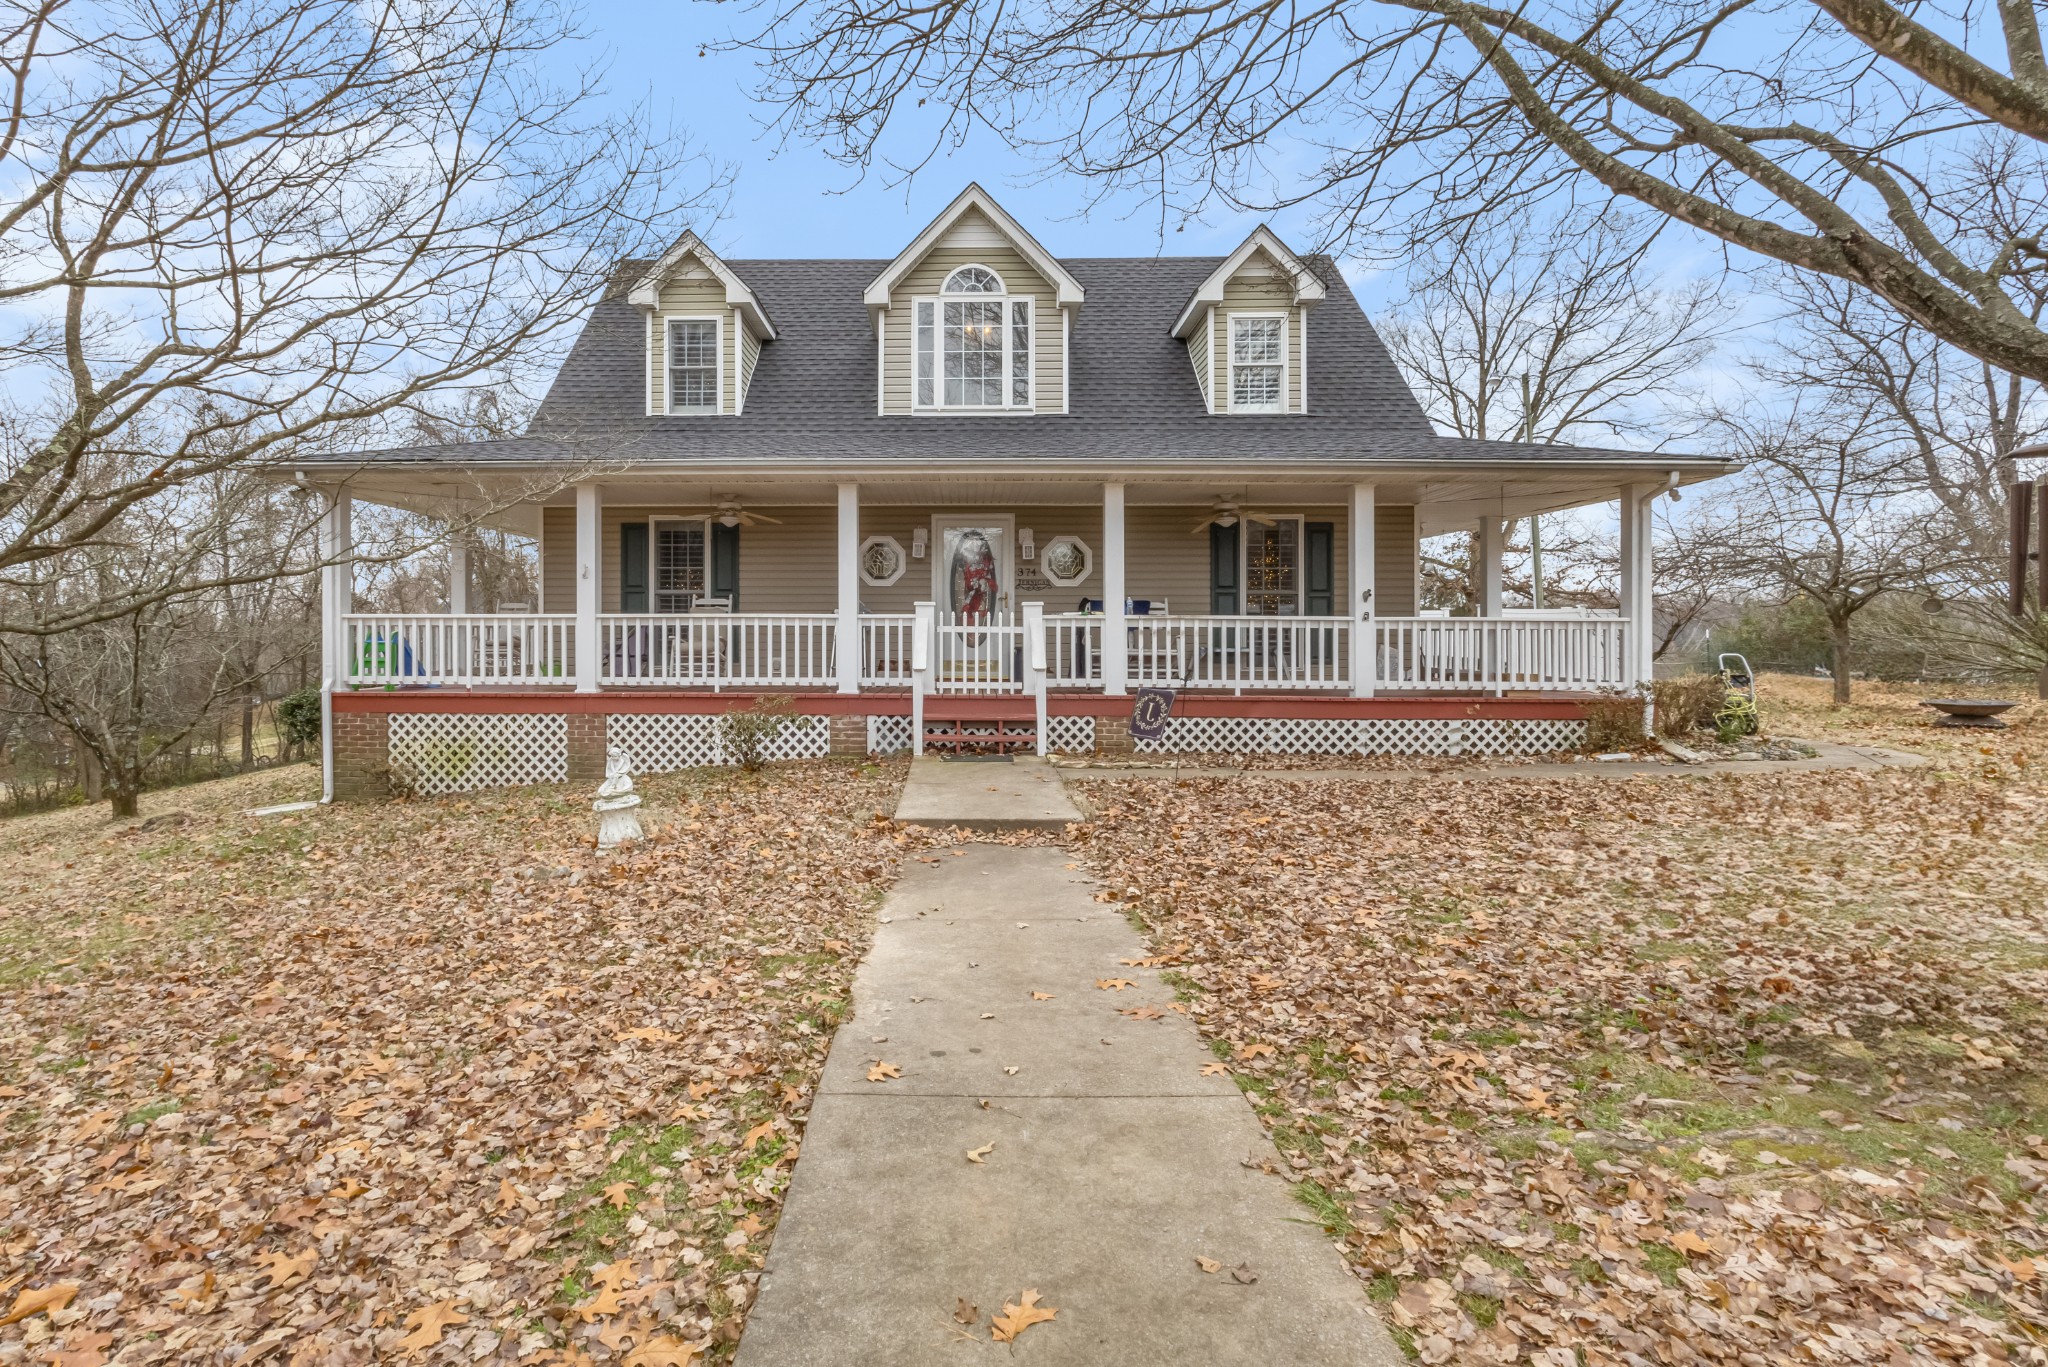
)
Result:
{"points": [[1113, 736], [849, 736], [586, 747], [362, 756]]}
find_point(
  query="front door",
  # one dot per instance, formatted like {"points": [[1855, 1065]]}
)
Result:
{"points": [[971, 578]]}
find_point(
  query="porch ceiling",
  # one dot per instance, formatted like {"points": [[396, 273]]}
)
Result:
{"points": [[1446, 500]]}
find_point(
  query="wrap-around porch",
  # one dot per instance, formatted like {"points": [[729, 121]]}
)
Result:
{"points": [[990, 591]]}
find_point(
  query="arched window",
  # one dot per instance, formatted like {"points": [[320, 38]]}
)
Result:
{"points": [[973, 345], [973, 280]]}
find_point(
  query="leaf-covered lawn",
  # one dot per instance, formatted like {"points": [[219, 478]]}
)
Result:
{"points": [[419, 1080], [1744, 1069]]}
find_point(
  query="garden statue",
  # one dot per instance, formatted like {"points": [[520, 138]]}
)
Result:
{"points": [[617, 823]]}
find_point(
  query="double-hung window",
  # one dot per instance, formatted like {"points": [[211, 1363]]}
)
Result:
{"points": [[693, 365], [973, 345], [681, 563], [1258, 349]]}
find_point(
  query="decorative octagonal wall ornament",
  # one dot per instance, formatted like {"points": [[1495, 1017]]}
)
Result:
{"points": [[882, 561], [1066, 561]]}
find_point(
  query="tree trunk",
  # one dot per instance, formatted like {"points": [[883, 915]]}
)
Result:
{"points": [[125, 801], [248, 731], [2041, 684], [1838, 654]]}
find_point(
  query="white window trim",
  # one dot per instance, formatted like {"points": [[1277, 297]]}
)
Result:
{"points": [[668, 355], [1230, 364], [902, 561], [1087, 561], [1244, 558], [654, 525], [938, 303]]}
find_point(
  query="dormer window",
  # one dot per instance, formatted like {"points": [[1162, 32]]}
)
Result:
{"points": [[973, 345], [694, 365]]}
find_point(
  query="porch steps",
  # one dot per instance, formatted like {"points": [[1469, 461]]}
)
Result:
{"points": [[1003, 724]]}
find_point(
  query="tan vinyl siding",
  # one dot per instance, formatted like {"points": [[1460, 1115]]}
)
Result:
{"points": [[787, 566], [1393, 553], [792, 566], [1198, 356], [1253, 295], [1163, 559], [682, 297], [924, 280], [558, 560], [1045, 524], [750, 356]]}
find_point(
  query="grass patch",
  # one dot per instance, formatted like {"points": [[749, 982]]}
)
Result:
{"points": [[1328, 1210]]}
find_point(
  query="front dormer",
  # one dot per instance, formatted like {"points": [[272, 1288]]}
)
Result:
{"points": [[972, 319], [704, 333], [1246, 329]]}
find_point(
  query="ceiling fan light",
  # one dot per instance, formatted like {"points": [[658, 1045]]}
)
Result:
{"points": [[1226, 519], [728, 518]]}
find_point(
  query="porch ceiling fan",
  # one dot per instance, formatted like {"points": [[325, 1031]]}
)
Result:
{"points": [[1226, 513], [730, 514]]}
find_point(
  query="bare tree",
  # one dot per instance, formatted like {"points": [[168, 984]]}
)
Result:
{"points": [[1548, 333], [1823, 514], [133, 685], [264, 225], [1838, 137]]}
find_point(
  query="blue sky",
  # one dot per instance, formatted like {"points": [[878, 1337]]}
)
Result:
{"points": [[792, 200]]}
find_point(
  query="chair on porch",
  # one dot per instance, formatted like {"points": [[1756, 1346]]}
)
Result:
{"points": [[1152, 661]]}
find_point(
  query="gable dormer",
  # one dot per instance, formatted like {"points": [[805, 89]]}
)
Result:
{"points": [[1246, 329], [973, 318], [704, 333]]}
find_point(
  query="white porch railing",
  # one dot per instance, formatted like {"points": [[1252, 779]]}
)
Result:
{"points": [[1488, 654], [885, 652], [718, 649], [978, 652], [439, 648], [1279, 653]]}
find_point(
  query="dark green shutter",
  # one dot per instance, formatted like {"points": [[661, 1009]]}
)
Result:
{"points": [[1223, 569], [725, 563], [1320, 551], [632, 567]]}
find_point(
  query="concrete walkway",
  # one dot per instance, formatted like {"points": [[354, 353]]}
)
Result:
{"points": [[1116, 1161], [1024, 794]]}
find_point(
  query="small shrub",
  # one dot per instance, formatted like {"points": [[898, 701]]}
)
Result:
{"points": [[748, 734], [1688, 705], [1614, 722], [298, 716]]}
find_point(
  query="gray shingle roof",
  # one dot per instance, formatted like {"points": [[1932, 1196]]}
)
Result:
{"points": [[1132, 394]]}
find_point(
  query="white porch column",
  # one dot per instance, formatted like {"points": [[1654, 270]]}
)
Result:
{"points": [[848, 630], [458, 574], [1488, 549], [1115, 637], [337, 597], [1359, 583], [589, 584], [1636, 599], [1645, 612]]}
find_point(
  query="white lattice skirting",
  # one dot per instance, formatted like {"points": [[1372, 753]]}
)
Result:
{"points": [[453, 752], [662, 742], [1364, 736], [1070, 735], [888, 735]]}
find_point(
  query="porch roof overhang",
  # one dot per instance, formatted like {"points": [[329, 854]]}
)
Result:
{"points": [[507, 491]]}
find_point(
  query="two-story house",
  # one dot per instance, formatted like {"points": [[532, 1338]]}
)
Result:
{"points": [[977, 489]]}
